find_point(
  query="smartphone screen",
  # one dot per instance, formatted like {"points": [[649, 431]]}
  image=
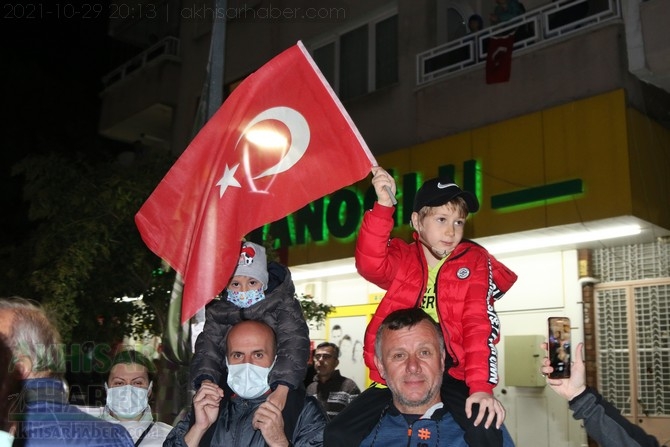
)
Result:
{"points": [[559, 346]]}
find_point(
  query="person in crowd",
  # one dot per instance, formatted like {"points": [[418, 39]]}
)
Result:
{"points": [[48, 419], [506, 10], [242, 415], [602, 421], [10, 388], [259, 291], [410, 354], [475, 23], [129, 386], [455, 280], [332, 389]]}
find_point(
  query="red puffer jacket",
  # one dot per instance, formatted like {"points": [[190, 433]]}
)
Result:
{"points": [[466, 287]]}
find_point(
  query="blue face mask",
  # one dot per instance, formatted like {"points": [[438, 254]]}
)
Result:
{"points": [[245, 299]]}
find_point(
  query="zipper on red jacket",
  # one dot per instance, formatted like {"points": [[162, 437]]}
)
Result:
{"points": [[445, 332], [422, 293], [424, 270]]}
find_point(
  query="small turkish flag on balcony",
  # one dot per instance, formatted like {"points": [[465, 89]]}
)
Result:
{"points": [[499, 59]]}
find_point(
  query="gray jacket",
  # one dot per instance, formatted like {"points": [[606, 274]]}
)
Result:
{"points": [[280, 310], [605, 424]]}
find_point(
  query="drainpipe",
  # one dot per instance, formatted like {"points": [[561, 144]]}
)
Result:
{"points": [[588, 282]]}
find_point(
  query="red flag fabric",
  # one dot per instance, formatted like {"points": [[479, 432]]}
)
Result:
{"points": [[499, 59], [280, 141]]}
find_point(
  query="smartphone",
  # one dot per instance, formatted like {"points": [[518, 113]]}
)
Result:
{"points": [[559, 345]]}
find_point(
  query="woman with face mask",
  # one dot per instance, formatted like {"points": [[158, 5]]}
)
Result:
{"points": [[128, 390]]}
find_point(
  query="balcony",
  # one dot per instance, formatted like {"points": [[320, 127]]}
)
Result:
{"points": [[139, 97], [551, 23], [555, 61], [654, 66]]}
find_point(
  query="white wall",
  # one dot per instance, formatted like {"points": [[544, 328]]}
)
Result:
{"points": [[547, 286]]}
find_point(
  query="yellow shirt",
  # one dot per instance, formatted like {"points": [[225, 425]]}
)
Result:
{"points": [[429, 301]]}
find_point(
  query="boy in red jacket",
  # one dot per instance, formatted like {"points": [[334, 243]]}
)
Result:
{"points": [[456, 281]]}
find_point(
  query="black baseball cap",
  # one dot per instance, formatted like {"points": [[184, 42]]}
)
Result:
{"points": [[438, 191]]}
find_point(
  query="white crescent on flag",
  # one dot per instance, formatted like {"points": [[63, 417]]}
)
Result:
{"points": [[299, 136], [298, 132]]}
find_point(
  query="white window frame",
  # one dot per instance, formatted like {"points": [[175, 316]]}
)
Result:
{"points": [[370, 21]]}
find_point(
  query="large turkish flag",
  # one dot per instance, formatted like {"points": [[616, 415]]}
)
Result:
{"points": [[280, 141]]}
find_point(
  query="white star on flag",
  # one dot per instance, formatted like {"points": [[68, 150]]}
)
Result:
{"points": [[228, 179]]}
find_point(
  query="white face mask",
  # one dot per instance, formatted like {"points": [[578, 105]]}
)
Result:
{"points": [[127, 401], [6, 440], [248, 380]]}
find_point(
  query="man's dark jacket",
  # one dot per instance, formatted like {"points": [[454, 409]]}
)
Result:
{"points": [[233, 427]]}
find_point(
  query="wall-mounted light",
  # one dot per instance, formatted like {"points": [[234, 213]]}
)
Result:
{"points": [[563, 237], [325, 272]]}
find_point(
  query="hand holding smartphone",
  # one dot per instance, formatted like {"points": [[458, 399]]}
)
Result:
{"points": [[558, 346]]}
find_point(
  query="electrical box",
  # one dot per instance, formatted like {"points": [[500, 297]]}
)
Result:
{"points": [[523, 359]]}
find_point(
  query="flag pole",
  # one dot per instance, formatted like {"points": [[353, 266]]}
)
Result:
{"points": [[177, 337], [217, 51]]}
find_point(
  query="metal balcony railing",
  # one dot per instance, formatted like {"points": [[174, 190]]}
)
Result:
{"points": [[166, 48], [551, 22]]}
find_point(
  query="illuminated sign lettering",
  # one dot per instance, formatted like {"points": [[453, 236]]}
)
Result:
{"points": [[339, 215]]}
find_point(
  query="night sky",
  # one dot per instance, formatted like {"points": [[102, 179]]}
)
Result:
{"points": [[51, 72]]}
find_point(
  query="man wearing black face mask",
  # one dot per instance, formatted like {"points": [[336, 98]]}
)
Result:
{"points": [[244, 417]]}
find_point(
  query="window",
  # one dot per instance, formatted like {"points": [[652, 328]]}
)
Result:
{"points": [[386, 51], [325, 58], [354, 63], [632, 331], [456, 26], [451, 17], [632, 339], [362, 59]]}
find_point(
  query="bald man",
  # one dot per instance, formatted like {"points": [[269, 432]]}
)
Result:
{"points": [[242, 415]]}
